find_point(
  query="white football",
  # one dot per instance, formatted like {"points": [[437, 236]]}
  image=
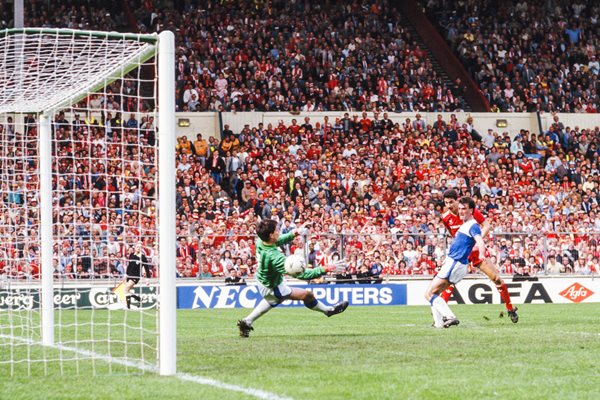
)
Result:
{"points": [[294, 265]]}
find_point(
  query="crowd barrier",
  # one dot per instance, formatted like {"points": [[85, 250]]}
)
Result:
{"points": [[578, 252]]}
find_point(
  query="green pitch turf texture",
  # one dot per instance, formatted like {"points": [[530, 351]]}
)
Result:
{"points": [[365, 353]]}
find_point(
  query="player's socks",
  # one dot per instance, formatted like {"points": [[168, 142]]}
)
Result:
{"points": [[440, 306], [445, 295], [136, 297], [316, 305], [261, 308], [503, 290], [438, 321]]}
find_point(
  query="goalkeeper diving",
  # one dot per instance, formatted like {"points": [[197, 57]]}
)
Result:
{"points": [[270, 277]]}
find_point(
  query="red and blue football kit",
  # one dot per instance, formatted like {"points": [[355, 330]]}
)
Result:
{"points": [[452, 222]]}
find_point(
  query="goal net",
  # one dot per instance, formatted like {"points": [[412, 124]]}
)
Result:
{"points": [[80, 202]]}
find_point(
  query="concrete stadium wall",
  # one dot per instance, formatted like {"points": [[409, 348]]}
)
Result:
{"points": [[208, 123], [572, 120]]}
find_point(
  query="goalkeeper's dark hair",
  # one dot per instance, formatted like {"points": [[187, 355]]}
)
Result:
{"points": [[265, 228], [469, 202], [451, 194]]}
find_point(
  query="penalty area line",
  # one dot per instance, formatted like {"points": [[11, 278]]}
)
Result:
{"points": [[260, 394]]}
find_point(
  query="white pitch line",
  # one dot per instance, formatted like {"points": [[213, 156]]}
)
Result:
{"points": [[260, 394]]}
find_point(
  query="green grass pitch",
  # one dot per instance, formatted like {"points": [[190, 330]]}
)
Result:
{"points": [[365, 353]]}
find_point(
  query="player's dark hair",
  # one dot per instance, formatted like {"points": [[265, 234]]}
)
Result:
{"points": [[451, 194], [265, 228], [468, 201]]}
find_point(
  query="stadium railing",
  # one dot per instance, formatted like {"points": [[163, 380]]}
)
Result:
{"points": [[577, 252]]}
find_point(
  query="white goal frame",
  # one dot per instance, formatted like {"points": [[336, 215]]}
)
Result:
{"points": [[164, 49]]}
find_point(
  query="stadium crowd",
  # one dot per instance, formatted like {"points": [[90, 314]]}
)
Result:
{"points": [[370, 184], [337, 56], [104, 180], [298, 56], [74, 14], [526, 55], [371, 189]]}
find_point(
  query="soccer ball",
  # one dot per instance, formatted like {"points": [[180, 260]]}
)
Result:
{"points": [[294, 265]]}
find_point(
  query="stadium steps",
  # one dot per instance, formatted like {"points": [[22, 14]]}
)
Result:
{"points": [[146, 73], [427, 36], [437, 67]]}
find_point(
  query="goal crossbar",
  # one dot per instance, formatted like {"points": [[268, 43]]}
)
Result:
{"points": [[26, 67]]}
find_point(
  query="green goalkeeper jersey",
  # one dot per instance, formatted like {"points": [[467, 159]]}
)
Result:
{"points": [[271, 263]]}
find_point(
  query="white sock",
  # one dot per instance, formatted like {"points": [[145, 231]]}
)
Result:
{"points": [[439, 305], [320, 307], [437, 318], [261, 308]]}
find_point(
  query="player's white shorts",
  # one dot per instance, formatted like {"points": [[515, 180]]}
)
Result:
{"points": [[274, 295], [452, 270]]}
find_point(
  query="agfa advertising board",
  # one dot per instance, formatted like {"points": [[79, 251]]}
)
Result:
{"points": [[548, 290]]}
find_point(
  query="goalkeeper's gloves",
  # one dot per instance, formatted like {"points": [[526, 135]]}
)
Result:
{"points": [[301, 231], [338, 267]]}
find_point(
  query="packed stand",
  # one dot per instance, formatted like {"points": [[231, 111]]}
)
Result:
{"points": [[298, 56], [526, 55], [6, 16], [266, 57], [371, 190], [104, 174], [19, 214], [75, 14]]}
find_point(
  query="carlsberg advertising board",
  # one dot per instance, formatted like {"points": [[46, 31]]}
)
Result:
{"points": [[67, 298]]}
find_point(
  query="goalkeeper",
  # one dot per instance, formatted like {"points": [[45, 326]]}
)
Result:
{"points": [[270, 281]]}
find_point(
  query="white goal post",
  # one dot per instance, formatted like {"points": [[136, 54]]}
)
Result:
{"points": [[70, 169]]}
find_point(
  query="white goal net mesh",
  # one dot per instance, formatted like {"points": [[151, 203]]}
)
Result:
{"points": [[100, 92], [45, 71]]}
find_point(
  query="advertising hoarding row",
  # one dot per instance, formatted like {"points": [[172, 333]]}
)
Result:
{"points": [[203, 296]]}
